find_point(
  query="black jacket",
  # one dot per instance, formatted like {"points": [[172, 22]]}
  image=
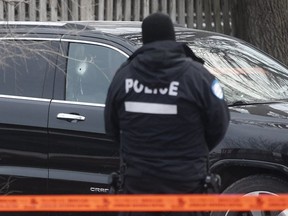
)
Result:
{"points": [[161, 107]]}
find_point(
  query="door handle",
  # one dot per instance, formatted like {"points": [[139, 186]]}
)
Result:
{"points": [[70, 117]]}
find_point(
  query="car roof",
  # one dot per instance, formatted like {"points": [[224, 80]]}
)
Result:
{"points": [[111, 27], [39, 27], [71, 29], [131, 30], [126, 31]]}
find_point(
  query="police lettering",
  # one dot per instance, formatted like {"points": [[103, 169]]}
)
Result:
{"points": [[137, 87]]}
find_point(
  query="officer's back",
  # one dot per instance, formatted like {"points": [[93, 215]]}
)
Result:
{"points": [[166, 110]]}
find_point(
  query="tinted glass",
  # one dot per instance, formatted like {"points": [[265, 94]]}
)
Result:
{"points": [[89, 72], [23, 67], [247, 74]]}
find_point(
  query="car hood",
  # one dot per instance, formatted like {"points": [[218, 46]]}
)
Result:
{"points": [[257, 128]]}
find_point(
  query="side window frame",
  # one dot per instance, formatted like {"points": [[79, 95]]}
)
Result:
{"points": [[48, 79], [61, 78]]}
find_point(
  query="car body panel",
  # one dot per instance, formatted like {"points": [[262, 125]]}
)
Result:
{"points": [[23, 161], [81, 156], [24, 117], [257, 133], [79, 150]]}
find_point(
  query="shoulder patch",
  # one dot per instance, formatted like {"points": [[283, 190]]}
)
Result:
{"points": [[217, 89]]}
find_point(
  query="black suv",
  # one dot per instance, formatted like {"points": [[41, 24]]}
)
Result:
{"points": [[53, 83]]}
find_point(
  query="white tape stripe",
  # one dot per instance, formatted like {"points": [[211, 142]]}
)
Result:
{"points": [[150, 108]]}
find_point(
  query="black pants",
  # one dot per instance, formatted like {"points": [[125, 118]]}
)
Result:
{"points": [[152, 185]]}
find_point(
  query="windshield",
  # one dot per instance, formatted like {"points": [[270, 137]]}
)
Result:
{"points": [[246, 74]]}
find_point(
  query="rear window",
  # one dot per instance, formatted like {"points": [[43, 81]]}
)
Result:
{"points": [[24, 66]]}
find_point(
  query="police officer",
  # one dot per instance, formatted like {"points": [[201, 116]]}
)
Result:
{"points": [[167, 111]]}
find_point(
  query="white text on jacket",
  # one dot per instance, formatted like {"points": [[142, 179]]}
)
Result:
{"points": [[135, 85]]}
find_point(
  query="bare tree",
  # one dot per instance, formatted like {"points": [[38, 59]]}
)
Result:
{"points": [[263, 23]]}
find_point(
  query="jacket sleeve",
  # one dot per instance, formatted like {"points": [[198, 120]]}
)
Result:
{"points": [[216, 114], [110, 114], [111, 117]]}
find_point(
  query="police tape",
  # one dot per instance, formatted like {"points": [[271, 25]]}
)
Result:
{"points": [[139, 203]]}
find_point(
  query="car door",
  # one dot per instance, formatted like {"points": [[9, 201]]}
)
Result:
{"points": [[81, 157], [27, 72]]}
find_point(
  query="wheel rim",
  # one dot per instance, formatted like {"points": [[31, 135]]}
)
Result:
{"points": [[259, 213]]}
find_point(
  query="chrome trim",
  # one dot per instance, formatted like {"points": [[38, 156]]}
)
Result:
{"points": [[32, 23], [67, 175], [29, 38], [24, 98], [68, 116], [67, 40], [78, 103], [96, 43], [17, 171]]}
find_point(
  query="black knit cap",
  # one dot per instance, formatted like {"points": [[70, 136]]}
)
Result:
{"points": [[157, 27]]}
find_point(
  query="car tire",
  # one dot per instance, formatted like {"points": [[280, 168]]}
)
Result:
{"points": [[255, 185]]}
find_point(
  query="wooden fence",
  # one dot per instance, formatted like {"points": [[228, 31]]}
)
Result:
{"points": [[213, 15]]}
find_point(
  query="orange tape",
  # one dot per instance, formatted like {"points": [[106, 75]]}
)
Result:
{"points": [[136, 203]]}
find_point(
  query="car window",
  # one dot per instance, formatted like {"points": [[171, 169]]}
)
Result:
{"points": [[24, 66], [247, 74], [90, 70]]}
